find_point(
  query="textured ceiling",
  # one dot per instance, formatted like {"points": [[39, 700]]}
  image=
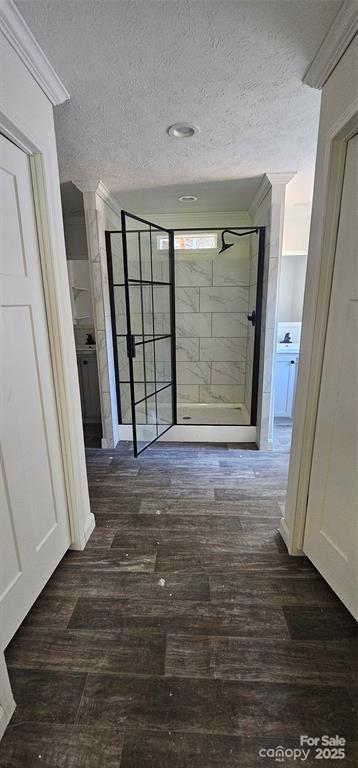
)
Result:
{"points": [[233, 68]]}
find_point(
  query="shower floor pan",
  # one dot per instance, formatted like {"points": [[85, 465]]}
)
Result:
{"points": [[235, 414]]}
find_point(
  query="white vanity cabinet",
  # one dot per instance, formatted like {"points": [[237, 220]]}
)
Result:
{"points": [[89, 389], [286, 366]]}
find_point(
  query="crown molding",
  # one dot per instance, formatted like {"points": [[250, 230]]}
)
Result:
{"points": [[86, 185], [260, 194], [280, 177], [338, 37], [268, 181], [20, 37], [100, 189], [189, 215], [105, 195]]}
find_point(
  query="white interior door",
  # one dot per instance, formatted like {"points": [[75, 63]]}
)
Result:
{"points": [[33, 508], [331, 528]]}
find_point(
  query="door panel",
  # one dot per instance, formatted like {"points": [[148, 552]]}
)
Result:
{"points": [[331, 527], [141, 283], [34, 518]]}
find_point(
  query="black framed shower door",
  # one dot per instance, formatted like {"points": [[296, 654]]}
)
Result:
{"points": [[141, 289]]}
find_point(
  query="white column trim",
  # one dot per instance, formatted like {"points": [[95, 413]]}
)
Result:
{"points": [[273, 185], [268, 181], [97, 186], [96, 200], [20, 37], [337, 40], [81, 519]]}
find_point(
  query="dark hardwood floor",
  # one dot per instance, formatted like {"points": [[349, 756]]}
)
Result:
{"points": [[184, 636]]}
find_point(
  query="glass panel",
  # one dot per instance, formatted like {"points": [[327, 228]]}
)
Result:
{"points": [[138, 365], [125, 397], [139, 392], [119, 301], [137, 324], [164, 409], [147, 299], [163, 353], [150, 317], [121, 324], [123, 366], [149, 371], [146, 266], [120, 309], [161, 323], [161, 296], [117, 257], [133, 255], [160, 256], [135, 299], [146, 426]]}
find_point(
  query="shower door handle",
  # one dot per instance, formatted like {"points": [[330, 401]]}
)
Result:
{"points": [[252, 317]]}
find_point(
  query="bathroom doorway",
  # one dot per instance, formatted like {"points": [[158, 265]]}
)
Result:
{"points": [[186, 324]]}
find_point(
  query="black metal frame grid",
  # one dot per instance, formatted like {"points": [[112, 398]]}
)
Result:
{"points": [[132, 342], [171, 284]]}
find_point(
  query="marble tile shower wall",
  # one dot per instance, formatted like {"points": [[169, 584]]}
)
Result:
{"points": [[212, 301], [213, 349]]}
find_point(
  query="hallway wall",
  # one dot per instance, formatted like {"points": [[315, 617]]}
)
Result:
{"points": [[267, 209], [292, 287], [101, 213], [338, 105]]}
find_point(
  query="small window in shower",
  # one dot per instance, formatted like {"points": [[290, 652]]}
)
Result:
{"points": [[186, 242]]}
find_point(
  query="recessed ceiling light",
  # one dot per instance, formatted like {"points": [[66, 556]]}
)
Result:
{"points": [[182, 130], [187, 199]]}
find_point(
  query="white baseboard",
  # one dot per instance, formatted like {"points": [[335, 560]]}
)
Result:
{"points": [[285, 534], [79, 546], [90, 526], [183, 433]]}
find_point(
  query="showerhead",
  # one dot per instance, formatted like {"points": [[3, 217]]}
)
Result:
{"points": [[225, 246]]}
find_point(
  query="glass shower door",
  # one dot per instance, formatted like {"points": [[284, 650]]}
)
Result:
{"points": [[146, 345]]}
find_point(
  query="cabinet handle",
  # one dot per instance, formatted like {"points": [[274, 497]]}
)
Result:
{"points": [[85, 362], [292, 362]]}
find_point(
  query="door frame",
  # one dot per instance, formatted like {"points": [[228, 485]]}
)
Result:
{"points": [[316, 304], [61, 340]]}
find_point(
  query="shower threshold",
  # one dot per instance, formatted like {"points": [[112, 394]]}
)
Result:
{"points": [[219, 414]]}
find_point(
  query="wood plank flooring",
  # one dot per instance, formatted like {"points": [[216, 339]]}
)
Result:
{"points": [[184, 636]]}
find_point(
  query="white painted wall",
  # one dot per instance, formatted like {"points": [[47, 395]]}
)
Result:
{"points": [[27, 117], [75, 237], [268, 210], [339, 103], [291, 287], [296, 228], [101, 215]]}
